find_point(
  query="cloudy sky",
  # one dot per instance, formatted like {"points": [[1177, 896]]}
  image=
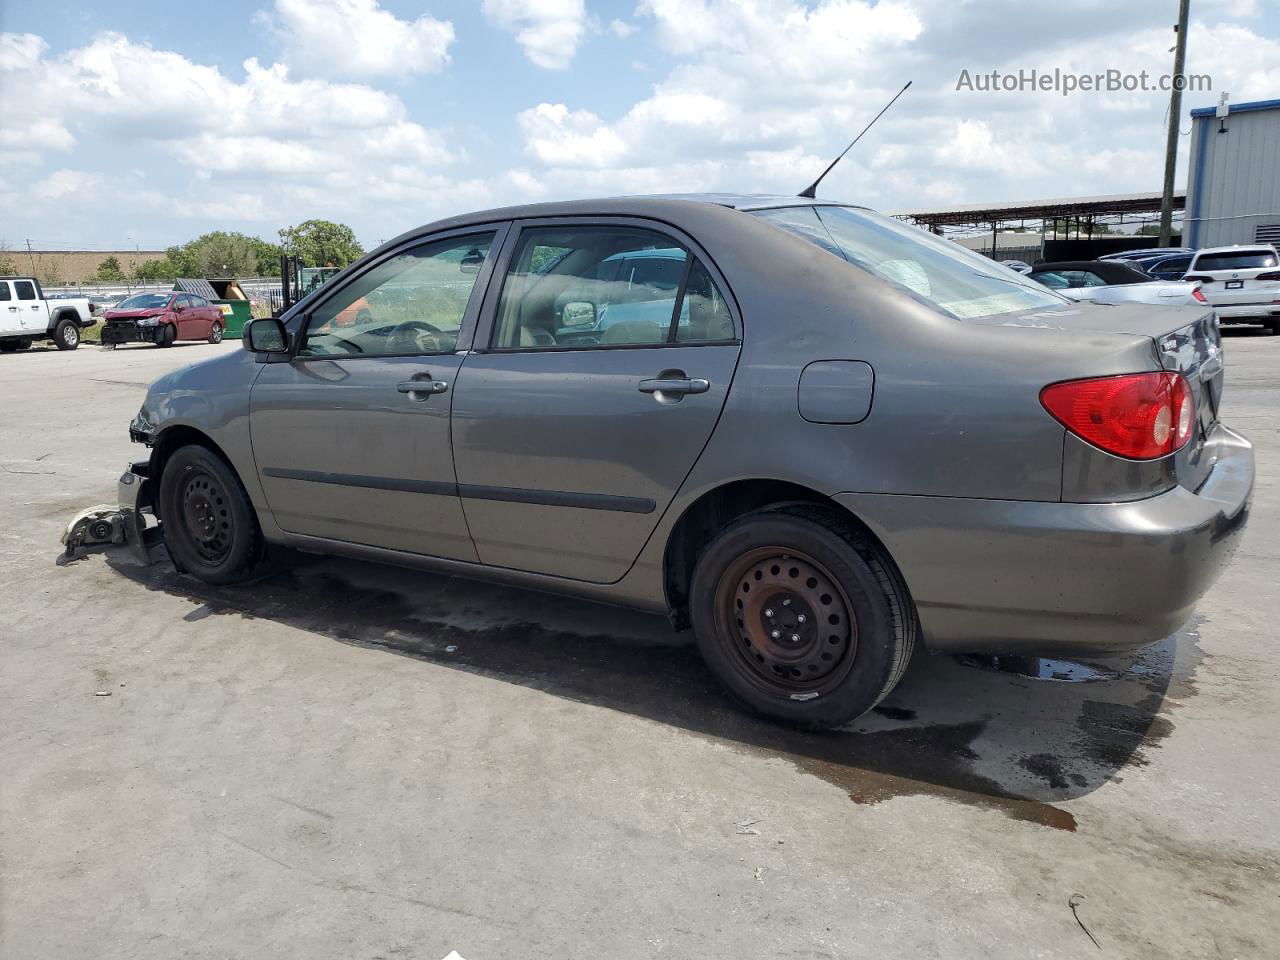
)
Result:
{"points": [[146, 123]]}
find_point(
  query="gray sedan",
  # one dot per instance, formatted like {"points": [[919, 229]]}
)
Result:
{"points": [[817, 435]]}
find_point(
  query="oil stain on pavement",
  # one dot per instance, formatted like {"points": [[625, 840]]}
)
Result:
{"points": [[994, 737]]}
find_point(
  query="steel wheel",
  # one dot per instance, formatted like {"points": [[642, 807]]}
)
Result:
{"points": [[791, 622], [206, 516]]}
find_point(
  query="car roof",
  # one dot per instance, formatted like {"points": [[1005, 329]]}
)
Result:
{"points": [[673, 207], [1240, 248]]}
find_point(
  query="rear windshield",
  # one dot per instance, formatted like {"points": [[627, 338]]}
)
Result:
{"points": [[1246, 260], [938, 272], [143, 301]]}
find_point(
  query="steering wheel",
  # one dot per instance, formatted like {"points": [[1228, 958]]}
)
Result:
{"points": [[418, 336]]}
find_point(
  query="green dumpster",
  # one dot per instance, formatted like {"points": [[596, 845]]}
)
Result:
{"points": [[226, 293]]}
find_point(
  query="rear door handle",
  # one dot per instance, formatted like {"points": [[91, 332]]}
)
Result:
{"points": [[675, 386], [423, 386]]}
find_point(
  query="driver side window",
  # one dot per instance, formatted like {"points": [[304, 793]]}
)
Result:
{"points": [[411, 304]]}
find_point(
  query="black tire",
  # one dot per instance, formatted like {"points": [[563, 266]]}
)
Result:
{"points": [[210, 528], [168, 333], [66, 335], [854, 632], [8, 346], [1272, 327], [215, 332], [24, 343]]}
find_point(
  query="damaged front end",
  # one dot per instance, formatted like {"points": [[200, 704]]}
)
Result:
{"points": [[126, 525]]}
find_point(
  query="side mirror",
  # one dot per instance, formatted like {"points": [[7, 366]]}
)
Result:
{"points": [[578, 313], [265, 335]]}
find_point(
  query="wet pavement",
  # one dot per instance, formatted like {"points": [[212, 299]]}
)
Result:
{"points": [[348, 760]]}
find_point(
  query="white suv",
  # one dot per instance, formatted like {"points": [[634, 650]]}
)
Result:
{"points": [[1242, 283]]}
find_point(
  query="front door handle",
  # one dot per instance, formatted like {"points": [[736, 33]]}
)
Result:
{"points": [[423, 386], [675, 386]]}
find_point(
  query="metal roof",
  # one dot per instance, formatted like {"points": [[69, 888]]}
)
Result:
{"points": [[1044, 209], [197, 285], [1237, 108]]}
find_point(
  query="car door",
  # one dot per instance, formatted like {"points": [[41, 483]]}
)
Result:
{"points": [[11, 319], [33, 312], [590, 393], [202, 317], [351, 433]]}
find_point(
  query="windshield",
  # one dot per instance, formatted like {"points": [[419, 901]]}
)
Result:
{"points": [[938, 272], [143, 301]]}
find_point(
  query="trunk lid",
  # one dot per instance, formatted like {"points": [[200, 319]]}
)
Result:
{"points": [[1184, 339]]}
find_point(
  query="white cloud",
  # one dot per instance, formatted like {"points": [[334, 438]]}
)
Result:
{"points": [[357, 38], [261, 146], [620, 28], [549, 31], [62, 183]]}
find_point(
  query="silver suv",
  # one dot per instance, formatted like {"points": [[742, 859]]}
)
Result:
{"points": [[815, 434]]}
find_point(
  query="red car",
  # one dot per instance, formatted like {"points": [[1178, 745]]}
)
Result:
{"points": [[162, 318]]}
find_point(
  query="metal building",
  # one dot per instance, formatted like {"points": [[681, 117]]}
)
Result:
{"points": [[1233, 185]]}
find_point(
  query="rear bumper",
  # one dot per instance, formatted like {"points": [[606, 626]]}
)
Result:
{"points": [[1247, 311], [128, 333], [1053, 578]]}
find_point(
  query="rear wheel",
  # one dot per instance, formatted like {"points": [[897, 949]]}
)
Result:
{"points": [[66, 335], [802, 616], [168, 334], [1272, 327], [8, 346], [210, 528], [24, 343], [215, 332]]}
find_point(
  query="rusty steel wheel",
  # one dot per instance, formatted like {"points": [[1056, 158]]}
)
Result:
{"points": [[796, 633], [801, 615]]}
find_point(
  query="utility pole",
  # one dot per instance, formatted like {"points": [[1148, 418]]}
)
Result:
{"points": [[1175, 121], [31, 257]]}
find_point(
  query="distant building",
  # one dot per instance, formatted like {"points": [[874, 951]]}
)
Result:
{"points": [[1233, 184]]}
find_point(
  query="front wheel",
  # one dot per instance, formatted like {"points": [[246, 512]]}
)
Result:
{"points": [[66, 335], [802, 616], [215, 332], [210, 528], [168, 334]]}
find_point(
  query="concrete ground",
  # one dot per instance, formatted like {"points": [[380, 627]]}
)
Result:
{"points": [[350, 761]]}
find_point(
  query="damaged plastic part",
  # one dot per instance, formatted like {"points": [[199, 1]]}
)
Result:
{"points": [[105, 526]]}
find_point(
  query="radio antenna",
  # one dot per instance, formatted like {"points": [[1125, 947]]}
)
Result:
{"points": [[810, 192]]}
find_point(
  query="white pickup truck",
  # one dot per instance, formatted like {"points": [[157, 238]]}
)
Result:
{"points": [[26, 316]]}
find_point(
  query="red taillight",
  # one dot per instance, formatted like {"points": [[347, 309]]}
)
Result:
{"points": [[1139, 416], [1198, 295], [1196, 278]]}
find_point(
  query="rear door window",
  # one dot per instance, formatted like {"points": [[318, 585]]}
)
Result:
{"points": [[25, 288], [938, 272], [591, 287], [4, 291]]}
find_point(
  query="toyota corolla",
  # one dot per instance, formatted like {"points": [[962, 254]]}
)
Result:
{"points": [[816, 435]]}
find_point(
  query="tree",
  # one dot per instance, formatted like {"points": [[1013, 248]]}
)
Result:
{"points": [[321, 243], [109, 271]]}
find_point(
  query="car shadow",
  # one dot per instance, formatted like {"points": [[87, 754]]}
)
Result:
{"points": [[973, 730]]}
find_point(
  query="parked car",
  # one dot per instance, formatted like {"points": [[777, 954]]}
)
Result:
{"points": [[845, 436], [1145, 252], [1167, 268], [1114, 281], [26, 316], [1020, 266], [162, 318], [1242, 283]]}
